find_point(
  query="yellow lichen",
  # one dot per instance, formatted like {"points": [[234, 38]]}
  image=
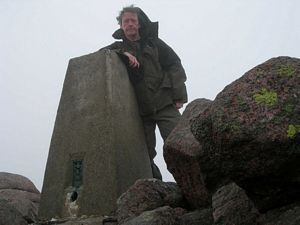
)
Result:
{"points": [[265, 97], [286, 70], [293, 130]]}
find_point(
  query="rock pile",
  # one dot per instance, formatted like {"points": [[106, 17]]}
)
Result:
{"points": [[248, 154], [151, 201]]}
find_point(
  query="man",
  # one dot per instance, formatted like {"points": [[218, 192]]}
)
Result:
{"points": [[155, 72]]}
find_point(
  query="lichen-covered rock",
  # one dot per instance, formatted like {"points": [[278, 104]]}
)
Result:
{"points": [[147, 195], [231, 205], [160, 216], [21, 194], [9, 215], [181, 153], [250, 134]]}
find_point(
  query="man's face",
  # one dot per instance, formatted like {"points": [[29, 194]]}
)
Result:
{"points": [[130, 25]]}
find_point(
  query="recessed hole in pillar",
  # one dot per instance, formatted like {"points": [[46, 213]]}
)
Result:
{"points": [[74, 196]]}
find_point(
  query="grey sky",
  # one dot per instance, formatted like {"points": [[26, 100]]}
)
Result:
{"points": [[217, 40]]}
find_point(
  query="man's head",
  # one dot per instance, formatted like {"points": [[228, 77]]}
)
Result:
{"points": [[129, 22]]}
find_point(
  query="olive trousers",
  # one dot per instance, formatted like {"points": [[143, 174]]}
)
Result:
{"points": [[166, 119]]}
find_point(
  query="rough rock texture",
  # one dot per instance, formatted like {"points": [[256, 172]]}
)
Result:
{"points": [[251, 133], [231, 205], [160, 216], [21, 194], [203, 217], [77, 221], [9, 215], [17, 182], [288, 215], [181, 153], [146, 195]]}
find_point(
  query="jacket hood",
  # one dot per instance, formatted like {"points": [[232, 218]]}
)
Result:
{"points": [[147, 27]]}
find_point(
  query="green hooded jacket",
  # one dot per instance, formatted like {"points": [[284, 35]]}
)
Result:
{"points": [[159, 81]]}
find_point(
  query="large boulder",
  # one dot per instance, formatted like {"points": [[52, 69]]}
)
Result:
{"points": [[17, 182], [181, 153], [147, 195], [251, 133], [21, 194], [9, 215]]}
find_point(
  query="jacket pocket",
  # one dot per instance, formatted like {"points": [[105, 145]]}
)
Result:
{"points": [[166, 83]]}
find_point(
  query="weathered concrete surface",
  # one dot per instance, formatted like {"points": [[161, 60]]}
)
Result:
{"points": [[98, 125]]}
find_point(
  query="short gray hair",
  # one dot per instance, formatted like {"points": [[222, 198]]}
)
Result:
{"points": [[131, 9]]}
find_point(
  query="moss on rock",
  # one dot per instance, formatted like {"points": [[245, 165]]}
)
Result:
{"points": [[265, 97], [293, 130], [286, 70]]}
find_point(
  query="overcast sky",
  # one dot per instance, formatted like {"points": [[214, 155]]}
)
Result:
{"points": [[217, 40]]}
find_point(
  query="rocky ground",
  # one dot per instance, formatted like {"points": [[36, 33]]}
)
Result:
{"points": [[235, 161]]}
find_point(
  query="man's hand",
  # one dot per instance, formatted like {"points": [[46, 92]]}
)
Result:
{"points": [[133, 62], [178, 105]]}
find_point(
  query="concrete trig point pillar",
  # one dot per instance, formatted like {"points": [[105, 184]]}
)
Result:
{"points": [[98, 147]]}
